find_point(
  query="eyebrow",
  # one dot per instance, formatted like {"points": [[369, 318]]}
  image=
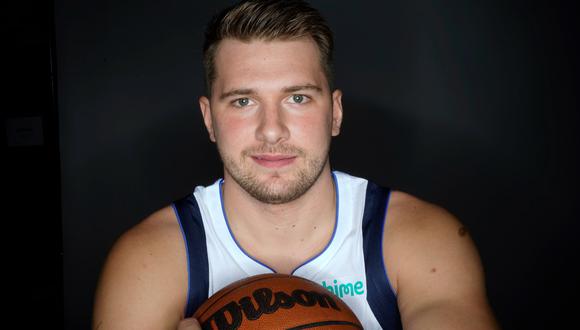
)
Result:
{"points": [[242, 91], [289, 89], [292, 89]]}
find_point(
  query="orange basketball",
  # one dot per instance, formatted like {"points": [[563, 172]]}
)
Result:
{"points": [[275, 301]]}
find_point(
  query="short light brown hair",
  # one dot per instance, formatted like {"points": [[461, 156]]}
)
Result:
{"points": [[267, 20]]}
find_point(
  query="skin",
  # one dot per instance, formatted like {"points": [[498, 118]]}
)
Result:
{"points": [[257, 108], [271, 123]]}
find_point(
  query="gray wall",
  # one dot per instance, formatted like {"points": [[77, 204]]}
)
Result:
{"points": [[468, 104]]}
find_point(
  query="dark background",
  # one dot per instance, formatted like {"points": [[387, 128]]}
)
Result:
{"points": [[472, 105]]}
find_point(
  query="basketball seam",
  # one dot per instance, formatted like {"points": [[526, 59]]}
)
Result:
{"points": [[217, 299], [322, 323]]}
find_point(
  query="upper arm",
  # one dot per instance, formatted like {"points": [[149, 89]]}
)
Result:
{"points": [[143, 282], [437, 270]]}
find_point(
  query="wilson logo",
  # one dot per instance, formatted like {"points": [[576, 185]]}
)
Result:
{"points": [[344, 289], [265, 301]]}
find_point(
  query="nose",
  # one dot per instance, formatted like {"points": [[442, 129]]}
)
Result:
{"points": [[272, 128]]}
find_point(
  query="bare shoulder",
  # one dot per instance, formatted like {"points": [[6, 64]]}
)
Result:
{"points": [[416, 231], [143, 283], [433, 265], [409, 216]]}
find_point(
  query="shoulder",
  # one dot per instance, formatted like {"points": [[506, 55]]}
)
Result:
{"points": [[433, 265], [409, 215], [143, 283], [419, 236]]}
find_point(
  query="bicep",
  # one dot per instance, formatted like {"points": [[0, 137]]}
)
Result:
{"points": [[450, 315], [136, 289], [440, 280]]}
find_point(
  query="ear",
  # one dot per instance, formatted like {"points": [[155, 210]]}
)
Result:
{"points": [[336, 112], [205, 107]]}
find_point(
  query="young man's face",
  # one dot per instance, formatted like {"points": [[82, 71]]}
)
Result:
{"points": [[272, 116]]}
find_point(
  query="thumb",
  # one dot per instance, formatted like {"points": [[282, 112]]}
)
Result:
{"points": [[189, 324]]}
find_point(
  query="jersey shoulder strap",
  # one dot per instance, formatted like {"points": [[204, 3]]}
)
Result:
{"points": [[380, 295], [189, 217]]}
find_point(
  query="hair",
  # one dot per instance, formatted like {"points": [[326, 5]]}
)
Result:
{"points": [[267, 20]]}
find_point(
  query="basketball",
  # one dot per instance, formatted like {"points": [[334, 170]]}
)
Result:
{"points": [[275, 301]]}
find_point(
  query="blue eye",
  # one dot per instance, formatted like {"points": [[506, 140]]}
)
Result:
{"points": [[242, 102], [298, 98]]}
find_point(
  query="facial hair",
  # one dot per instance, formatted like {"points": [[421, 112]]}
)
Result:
{"points": [[282, 190]]}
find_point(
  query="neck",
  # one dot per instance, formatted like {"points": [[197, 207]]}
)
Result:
{"points": [[294, 221]]}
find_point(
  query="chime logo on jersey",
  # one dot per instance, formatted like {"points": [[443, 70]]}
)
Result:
{"points": [[344, 289]]}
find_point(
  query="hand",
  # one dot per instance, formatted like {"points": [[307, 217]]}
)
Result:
{"points": [[189, 324]]}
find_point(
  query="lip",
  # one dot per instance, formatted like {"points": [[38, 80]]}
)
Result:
{"points": [[273, 161]]}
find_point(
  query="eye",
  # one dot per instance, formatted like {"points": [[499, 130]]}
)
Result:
{"points": [[299, 99], [242, 102]]}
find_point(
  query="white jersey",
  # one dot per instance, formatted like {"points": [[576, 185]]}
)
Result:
{"points": [[341, 267]]}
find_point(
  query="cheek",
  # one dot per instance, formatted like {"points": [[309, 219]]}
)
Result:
{"points": [[225, 126], [232, 132], [313, 131]]}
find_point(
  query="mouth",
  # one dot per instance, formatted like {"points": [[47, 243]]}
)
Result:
{"points": [[273, 161]]}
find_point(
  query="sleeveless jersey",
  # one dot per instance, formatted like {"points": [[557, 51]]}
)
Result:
{"points": [[351, 265]]}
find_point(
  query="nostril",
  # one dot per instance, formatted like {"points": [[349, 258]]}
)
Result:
{"points": [[272, 128]]}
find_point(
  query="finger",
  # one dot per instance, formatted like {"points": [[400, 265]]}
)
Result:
{"points": [[189, 324]]}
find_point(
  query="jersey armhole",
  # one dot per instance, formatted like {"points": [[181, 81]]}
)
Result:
{"points": [[380, 294], [191, 223]]}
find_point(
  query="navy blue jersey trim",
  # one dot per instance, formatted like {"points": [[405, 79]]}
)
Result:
{"points": [[380, 295], [337, 208], [263, 264], [189, 217], [232, 234]]}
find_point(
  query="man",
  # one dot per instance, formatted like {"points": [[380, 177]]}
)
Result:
{"points": [[272, 112]]}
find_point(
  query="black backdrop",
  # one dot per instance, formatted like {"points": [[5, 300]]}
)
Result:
{"points": [[469, 104]]}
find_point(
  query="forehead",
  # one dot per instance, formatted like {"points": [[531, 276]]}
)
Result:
{"points": [[262, 64]]}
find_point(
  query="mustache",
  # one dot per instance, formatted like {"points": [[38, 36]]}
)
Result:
{"points": [[282, 149]]}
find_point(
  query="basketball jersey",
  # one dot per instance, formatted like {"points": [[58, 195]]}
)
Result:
{"points": [[350, 266]]}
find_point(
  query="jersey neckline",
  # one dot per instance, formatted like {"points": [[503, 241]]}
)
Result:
{"points": [[310, 260]]}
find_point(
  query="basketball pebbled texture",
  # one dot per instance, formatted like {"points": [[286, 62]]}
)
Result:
{"points": [[275, 302]]}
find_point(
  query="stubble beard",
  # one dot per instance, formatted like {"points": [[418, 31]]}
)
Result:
{"points": [[275, 189]]}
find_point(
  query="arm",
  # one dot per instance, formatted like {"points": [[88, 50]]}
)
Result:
{"points": [[437, 271], [143, 284]]}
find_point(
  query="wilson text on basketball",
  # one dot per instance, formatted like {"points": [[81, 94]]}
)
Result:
{"points": [[264, 301]]}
